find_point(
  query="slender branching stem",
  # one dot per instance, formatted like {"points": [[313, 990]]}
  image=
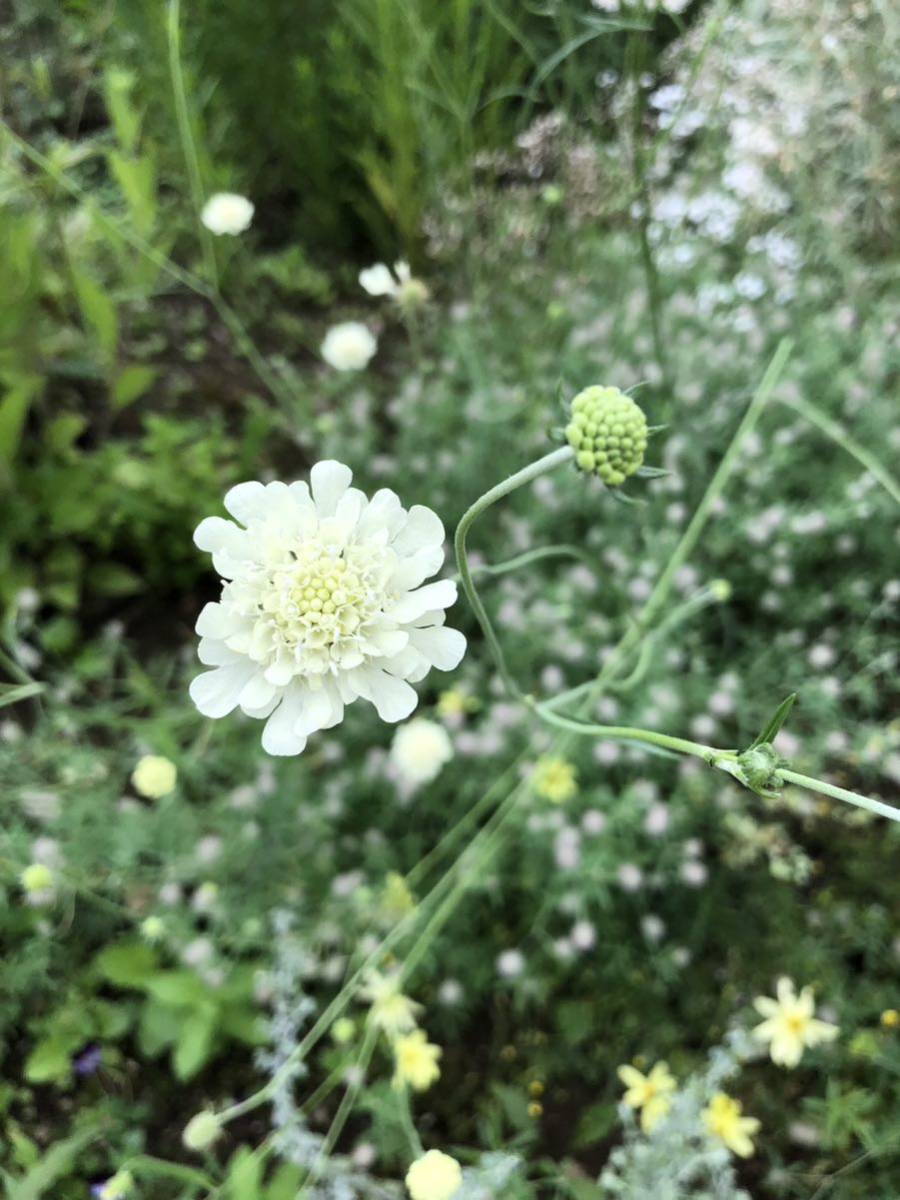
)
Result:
{"points": [[548, 463]]}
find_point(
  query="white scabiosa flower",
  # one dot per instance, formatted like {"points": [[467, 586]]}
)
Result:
{"points": [[348, 346], [226, 212], [419, 750], [378, 280], [401, 285], [322, 603]]}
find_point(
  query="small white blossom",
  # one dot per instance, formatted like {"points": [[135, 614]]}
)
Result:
{"points": [[348, 346], [228, 213], [419, 750]]}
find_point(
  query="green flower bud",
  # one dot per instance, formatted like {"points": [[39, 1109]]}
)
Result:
{"points": [[36, 878], [720, 590], [759, 768], [608, 433], [201, 1131]]}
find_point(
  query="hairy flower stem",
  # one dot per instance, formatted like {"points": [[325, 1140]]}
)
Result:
{"points": [[548, 463], [188, 146], [839, 793]]}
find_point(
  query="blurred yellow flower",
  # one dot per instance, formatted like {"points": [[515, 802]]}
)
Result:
{"points": [[154, 776], [722, 1118], [434, 1176], [396, 899], [790, 1025], [890, 1018], [390, 1011], [650, 1093], [554, 779], [37, 877], [416, 1061]]}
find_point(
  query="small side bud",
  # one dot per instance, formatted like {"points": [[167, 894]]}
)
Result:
{"points": [[201, 1131], [608, 433], [720, 590], [758, 769]]}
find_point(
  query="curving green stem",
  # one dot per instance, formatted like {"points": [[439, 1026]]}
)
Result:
{"points": [[838, 793], [548, 463], [713, 757], [628, 733]]}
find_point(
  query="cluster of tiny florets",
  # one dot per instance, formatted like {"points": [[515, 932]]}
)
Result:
{"points": [[608, 433]]}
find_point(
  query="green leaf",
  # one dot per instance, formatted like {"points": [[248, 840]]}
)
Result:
{"points": [[12, 693], [157, 1027], [50, 1061], [54, 1164], [596, 1122], [127, 964], [244, 1179], [98, 310], [194, 1045], [144, 1166], [244, 1026], [770, 729], [285, 1183], [20, 391], [112, 579], [131, 383], [178, 989], [126, 120]]}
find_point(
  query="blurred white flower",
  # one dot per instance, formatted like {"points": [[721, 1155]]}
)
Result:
{"points": [[510, 964], [321, 605], [226, 212], [419, 750], [348, 346], [401, 286]]}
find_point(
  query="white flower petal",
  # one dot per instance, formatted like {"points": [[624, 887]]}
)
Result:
{"points": [[329, 481], [444, 648], [216, 693], [384, 512], [256, 693], [415, 569], [279, 736], [246, 500], [393, 698], [423, 528], [217, 621], [214, 653], [434, 595], [215, 533], [377, 280]]}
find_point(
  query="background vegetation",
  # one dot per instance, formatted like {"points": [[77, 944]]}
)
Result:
{"points": [[641, 197]]}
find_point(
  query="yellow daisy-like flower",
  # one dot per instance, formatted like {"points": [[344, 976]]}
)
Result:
{"points": [[434, 1176], [154, 776], [453, 704], [790, 1025], [391, 1011], [650, 1093], [416, 1061], [554, 779], [722, 1118]]}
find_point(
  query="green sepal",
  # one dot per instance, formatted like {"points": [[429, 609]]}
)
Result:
{"points": [[770, 730]]}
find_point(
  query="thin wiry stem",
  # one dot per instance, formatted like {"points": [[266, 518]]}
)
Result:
{"points": [[548, 463]]}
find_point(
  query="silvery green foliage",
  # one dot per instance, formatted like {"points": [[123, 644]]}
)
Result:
{"points": [[489, 1178], [336, 1177], [679, 1160]]}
